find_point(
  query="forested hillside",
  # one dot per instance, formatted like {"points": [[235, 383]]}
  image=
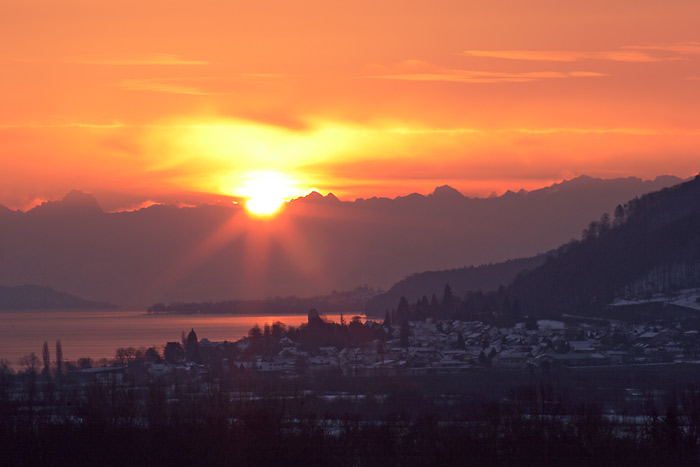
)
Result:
{"points": [[487, 278], [650, 244]]}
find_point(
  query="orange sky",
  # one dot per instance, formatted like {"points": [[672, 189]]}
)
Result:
{"points": [[177, 101]]}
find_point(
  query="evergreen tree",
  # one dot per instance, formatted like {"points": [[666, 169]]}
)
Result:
{"points": [[434, 306], [591, 232], [506, 308], [425, 303], [183, 340], [604, 224], [47, 360], [403, 310], [192, 350], [254, 334], [619, 216], [152, 355], [59, 358], [173, 352], [515, 307], [447, 298], [314, 318]]}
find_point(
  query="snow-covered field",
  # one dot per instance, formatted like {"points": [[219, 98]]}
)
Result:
{"points": [[687, 298]]}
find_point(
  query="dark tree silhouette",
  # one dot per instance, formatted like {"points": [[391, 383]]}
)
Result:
{"points": [[59, 358], [531, 323], [447, 298], [173, 352], [461, 345], [192, 350], [387, 319], [604, 224], [125, 355], [591, 232], [47, 360], [404, 334], [434, 306], [403, 311], [29, 362], [619, 216], [314, 318], [152, 355]]}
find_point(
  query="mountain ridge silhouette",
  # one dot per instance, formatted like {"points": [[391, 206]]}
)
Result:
{"points": [[167, 253]]}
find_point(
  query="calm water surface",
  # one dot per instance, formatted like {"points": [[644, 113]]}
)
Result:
{"points": [[97, 334]]}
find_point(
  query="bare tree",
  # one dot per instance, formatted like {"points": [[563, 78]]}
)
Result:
{"points": [[29, 362], [125, 355]]}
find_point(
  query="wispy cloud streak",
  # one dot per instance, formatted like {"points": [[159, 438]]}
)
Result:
{"points": [[416, 70], [682, 48], [140, 60], [629, 53], [165, 85], [564, 55]]}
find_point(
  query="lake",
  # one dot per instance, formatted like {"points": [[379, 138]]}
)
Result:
{"points": [[98, 333]]}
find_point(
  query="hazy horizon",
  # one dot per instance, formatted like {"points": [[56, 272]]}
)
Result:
{"points": [[308, 247], [107, 201]]}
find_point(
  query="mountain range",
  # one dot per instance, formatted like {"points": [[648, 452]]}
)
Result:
{"points": [[317, 244], [35, 297], [647, 253]]}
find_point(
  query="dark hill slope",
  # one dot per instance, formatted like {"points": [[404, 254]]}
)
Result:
{"points": [[487, 277], [655, 247], [26, 297]]}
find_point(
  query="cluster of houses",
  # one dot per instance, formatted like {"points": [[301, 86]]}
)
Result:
{"points": [[455, 346], [452, 346]]}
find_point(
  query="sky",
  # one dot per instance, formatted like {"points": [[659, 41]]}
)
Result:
{"points": [[186, 101]]}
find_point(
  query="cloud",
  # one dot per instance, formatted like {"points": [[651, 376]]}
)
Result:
{"points": [[683, 48], [628, 53], [269, 75], [536, 131], [66, 125], [165, 85], [598, 131], [138, 206], [199, 86], [416, 70], [564, 55], [96, 125], [139, 60], [156, 59]]}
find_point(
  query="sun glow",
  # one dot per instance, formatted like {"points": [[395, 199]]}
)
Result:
{"points": [[267, 191]]}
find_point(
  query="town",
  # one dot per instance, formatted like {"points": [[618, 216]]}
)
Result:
{"points": [[368, 391], [380, 349], [447, 346]]}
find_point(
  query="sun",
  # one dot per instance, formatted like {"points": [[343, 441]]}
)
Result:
{"points": [[267, 191], [264, 206]]}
